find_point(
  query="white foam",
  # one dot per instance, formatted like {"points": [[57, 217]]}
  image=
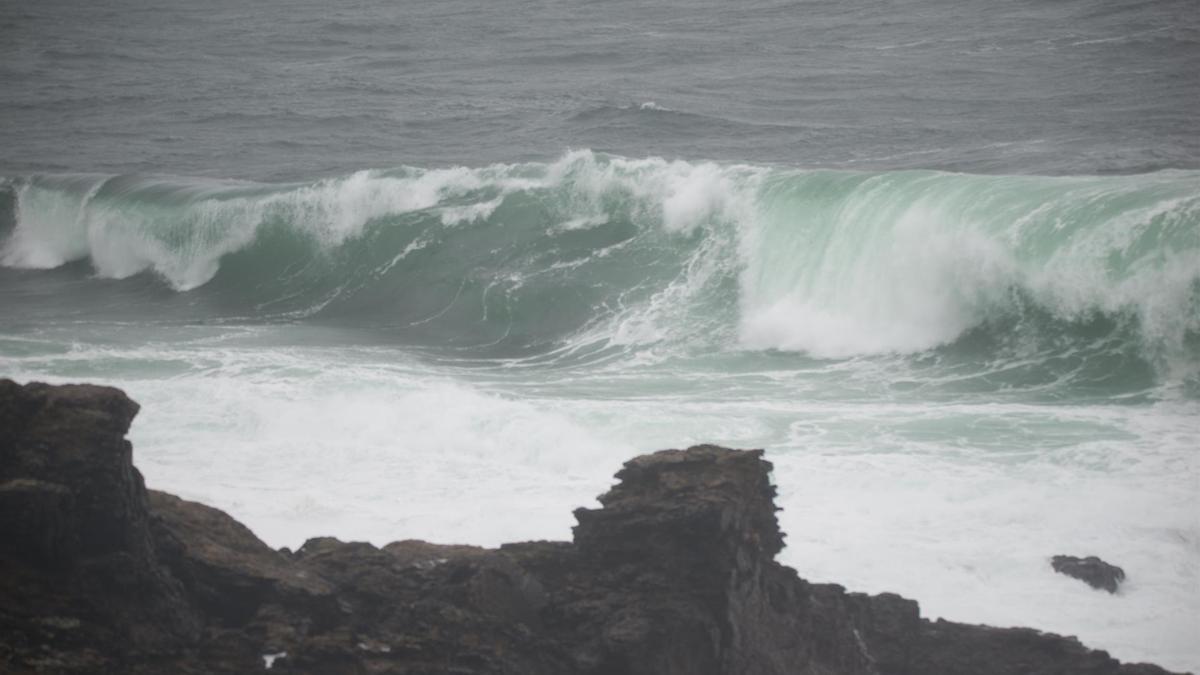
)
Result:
{"points": [[955, 503], [970, 534], [50, 228], [903, 264], [371, 455], [183, 239], [471, 213]]}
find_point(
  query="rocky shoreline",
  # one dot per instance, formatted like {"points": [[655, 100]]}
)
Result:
{"points": [[674, 575]]}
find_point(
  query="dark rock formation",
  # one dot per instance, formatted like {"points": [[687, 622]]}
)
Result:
{"points": [[1097, 573], [675, 574], [81, 582]]}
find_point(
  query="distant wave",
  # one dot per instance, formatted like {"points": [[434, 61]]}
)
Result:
{"points": [[602, 250], [652, 114]]}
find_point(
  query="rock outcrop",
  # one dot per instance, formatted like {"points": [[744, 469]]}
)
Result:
{"points": [[675, 574], [1091, 570], [81, 581]]}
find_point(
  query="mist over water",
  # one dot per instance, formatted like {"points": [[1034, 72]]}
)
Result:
{"points": [[434, 270]]}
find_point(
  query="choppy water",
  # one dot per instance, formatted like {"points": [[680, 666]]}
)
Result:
{"points": [[388, 270]]}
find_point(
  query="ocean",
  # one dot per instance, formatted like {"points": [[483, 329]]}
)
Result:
{"points": [[387, 270]]}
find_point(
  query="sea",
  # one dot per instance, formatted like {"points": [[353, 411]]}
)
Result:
{"points": [[396, 269]]}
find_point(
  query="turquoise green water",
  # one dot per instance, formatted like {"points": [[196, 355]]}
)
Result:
{"points": [[939, 257], [956, 375]]}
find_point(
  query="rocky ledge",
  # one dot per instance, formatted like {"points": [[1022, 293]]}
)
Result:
{"points": [[675, 574]]}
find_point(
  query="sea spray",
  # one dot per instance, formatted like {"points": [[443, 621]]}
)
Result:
{"points": [[925, 356], [595, 250]]}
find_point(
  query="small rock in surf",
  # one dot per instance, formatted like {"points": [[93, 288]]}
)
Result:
{"points": [[1092, 570]]}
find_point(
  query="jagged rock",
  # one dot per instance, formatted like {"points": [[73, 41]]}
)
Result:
{"points": [[425, 554], [37, 520], [237, 582], [74, 436], [675, 574], [81, 583], [1092, 570]]}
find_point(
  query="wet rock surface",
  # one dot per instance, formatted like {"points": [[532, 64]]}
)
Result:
{"points": [[1091, 570], [674, 574]]}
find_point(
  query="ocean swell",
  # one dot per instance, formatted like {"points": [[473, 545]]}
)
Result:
{"points": [[603, 251]]}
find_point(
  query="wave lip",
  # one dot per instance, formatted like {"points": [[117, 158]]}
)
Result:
{"points": [[909, 261], [181, 228], [594, 249]]}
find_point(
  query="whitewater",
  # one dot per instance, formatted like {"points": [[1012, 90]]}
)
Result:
{"points": [[387, 270], [955, 375]]}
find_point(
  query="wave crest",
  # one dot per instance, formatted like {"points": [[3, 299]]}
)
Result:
{"points": [[594, 250]]}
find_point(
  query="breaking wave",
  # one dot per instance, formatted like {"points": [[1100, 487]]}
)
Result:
{"points": [[596, 252]]}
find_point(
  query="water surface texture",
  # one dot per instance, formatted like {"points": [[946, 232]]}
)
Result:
{"points": [[391, 270]]}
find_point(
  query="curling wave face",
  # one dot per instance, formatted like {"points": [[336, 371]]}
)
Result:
{"points": [[595, 254], [926, 356]]}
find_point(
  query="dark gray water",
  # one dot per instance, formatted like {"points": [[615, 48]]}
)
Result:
{"points": [[398, 269], [297, 90]]}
